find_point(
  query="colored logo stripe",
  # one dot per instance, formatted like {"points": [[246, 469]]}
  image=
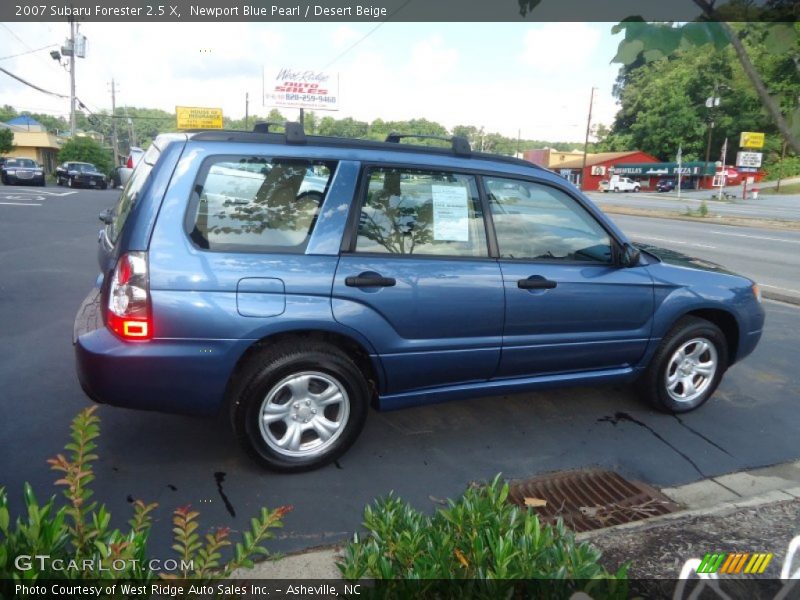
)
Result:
{"points": [[734, 563]]}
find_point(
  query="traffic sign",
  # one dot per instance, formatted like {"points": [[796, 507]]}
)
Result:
{"points": [[751, 139]]}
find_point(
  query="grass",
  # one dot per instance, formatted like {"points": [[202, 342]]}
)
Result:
{"points": [[792, 188]]}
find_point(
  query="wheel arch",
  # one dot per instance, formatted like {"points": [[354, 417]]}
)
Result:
{"points": [[367, 363], [727, 323]]}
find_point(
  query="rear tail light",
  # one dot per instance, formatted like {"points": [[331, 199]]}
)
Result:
{"points": [[129, 164], [128, 313]]}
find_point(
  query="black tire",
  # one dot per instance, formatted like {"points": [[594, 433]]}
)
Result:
{"points": [[262, 376], [636, 189], [616, 190], [652, 384], [104, 186]]}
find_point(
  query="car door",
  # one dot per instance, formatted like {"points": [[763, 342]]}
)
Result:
{"points": [[416, 278], [569, 306]]}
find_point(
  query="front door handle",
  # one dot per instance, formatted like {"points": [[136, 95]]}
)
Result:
{"points": [[536, 282], [370, 281]]}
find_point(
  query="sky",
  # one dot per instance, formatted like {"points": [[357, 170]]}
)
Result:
{"points": [[531, 78]]}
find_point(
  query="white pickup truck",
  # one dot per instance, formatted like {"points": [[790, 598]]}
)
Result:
{"points": [[619, 184]]}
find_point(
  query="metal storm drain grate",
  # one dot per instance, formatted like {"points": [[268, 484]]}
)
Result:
{"points": [[590, 499]]}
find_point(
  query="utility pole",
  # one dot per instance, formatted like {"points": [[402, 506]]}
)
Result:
{"points": [[780, 168], [586, 143], [114, 142], [247, 110], [72, 126]]}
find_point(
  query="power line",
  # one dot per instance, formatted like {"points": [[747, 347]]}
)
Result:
{"points": [[29, 84], [28, 52], [369, 33]]}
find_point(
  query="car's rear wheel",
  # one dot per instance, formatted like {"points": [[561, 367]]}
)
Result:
{"points": [[616, 190], [298, 406], [687, 367]]}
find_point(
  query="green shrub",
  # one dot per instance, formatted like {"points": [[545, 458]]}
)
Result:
{"points": [[703, 210], [479, 536], [79, 530], [85, 149]]}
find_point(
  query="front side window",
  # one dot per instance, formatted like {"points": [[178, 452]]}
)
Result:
{"points": [[257, 204], [411, 211], [538, 222]]}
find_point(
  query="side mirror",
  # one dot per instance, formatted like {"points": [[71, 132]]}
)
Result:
{"points": [[630, 256], [106, 216]]}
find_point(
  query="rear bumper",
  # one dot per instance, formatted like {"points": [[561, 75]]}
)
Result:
{"points": [[175, 376]]}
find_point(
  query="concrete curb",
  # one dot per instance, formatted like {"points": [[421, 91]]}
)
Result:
{"points": [[755, 487], [779, 297]]}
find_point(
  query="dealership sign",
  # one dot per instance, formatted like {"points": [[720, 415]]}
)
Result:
{"points": [[290, 88], [748, 159], [198, 117]]}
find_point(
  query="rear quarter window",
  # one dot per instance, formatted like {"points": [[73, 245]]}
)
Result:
{"points": [[257, 204]]}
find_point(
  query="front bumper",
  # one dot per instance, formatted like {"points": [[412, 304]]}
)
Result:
{"points": [[22, 180], [165, 375]]}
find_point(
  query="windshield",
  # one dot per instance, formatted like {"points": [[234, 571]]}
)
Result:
{"points": [[22, 163], [82, 167]]}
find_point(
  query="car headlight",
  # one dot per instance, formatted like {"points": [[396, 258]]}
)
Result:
{"points": [[756, 292], [11, 172]]}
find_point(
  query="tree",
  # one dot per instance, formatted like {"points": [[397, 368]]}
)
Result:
{"points": [[85, 149], [6, 141], [647, 42]]}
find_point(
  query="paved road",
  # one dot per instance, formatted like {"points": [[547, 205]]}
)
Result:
{"points": [[47, 261], [765, 207], [770, 257]]}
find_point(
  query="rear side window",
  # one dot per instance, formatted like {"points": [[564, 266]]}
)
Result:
{"points": [[410, 211], [256, 204], [131, 191]]}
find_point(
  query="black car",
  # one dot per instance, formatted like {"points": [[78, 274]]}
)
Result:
{"points": [[80, 174], [666, 185], [669, 185], [21, 170]]}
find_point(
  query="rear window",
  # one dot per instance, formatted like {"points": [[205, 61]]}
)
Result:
{"points": [[257, 204], [131, 192]]}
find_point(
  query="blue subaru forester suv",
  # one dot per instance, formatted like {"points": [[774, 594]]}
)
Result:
{"points": [[292, 280]]}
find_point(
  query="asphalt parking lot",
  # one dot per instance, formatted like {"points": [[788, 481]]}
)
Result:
{"points": [[47, 261]]}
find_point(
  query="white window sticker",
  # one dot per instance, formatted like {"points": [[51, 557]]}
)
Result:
{"points": [[450, 213]]}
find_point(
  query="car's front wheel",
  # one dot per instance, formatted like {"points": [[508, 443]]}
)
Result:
{"points": [[299, 406], [687, 367]]}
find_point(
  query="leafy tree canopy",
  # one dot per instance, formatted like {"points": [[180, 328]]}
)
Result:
{"points": [[85, 149], [6, 141]]}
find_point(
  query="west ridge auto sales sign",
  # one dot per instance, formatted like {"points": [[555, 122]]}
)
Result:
{"points": [[290, 88]]}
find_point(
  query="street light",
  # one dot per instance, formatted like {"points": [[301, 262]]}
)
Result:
{"points": [[712, 102]]}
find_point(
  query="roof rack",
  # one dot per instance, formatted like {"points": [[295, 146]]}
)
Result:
{"points": [[460, 144], [294, 132], [274, 137]]}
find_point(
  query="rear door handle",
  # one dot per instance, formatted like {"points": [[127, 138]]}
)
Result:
{"points": [[536, 282], [370, 281]]}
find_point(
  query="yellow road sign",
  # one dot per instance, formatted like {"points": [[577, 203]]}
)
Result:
{"points": [[198, 117], [751, 139]]}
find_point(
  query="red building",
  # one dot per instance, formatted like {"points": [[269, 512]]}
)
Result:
{"points": [[598, 167]]}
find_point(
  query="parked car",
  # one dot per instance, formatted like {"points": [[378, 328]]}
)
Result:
{"points": [[80, 174], [124, 172], [115, 177], [619, 184], [401, 275], [671, 184], [21, 170]]}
